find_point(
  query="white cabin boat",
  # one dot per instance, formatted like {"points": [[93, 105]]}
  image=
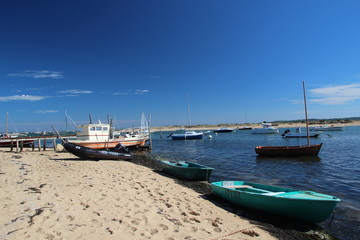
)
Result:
{"points": [[267, 128], [327, 128], [99, 136]]}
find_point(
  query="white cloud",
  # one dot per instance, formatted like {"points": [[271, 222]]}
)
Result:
{"points": [[137, 92], [75, 91], [46, 111], [119, 93], [38, 74], [336, 94], [22, 98]]}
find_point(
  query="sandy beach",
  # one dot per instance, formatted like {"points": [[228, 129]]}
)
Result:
{"points": [[255, 125], [53, 195]]}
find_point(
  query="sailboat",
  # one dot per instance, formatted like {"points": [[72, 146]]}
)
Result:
{"points": [[189, 134], [308, 150]]}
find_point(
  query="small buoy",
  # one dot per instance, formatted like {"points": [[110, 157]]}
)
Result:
{"points": [[210, 137]]}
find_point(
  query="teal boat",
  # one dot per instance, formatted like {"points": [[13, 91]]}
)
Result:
{"points": [[187, 170], [305, 206]]}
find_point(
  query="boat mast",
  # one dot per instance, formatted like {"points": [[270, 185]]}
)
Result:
{"points": [[7, 124], [187, 97], [306, 116]]}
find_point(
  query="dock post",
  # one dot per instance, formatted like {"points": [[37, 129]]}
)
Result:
{"points": [[17, 145], [39, 144], [44, 144], [21, 146], [33, 146], [11, 146], [54, 142]]}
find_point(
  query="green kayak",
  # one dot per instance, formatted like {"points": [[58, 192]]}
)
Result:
{"points": [[187, 170], [305, 206]]}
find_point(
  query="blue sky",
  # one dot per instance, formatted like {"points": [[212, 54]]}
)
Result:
{"points": [[237, 60]]}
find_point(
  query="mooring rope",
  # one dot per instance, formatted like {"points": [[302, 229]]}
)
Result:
{"points": [[238, 231]]}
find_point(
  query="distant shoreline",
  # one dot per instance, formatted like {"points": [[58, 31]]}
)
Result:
{"points": [[252, 125]]}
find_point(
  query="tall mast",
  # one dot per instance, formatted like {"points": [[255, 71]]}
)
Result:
{"points": [[187, 96], [306, 116], [7, 123]]}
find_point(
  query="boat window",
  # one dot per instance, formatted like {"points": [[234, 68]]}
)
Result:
{"points": [[98, 128], [92, 129], [105, 128]]}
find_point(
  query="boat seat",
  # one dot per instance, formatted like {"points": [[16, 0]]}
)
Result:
{"points": [[272, 193], [239, 186]]}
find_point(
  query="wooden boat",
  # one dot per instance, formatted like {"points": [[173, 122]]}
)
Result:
{"points": [[187, 170], [11, 141], [307, 206], [120, 152], [223, 130], [292, 151], [308, 150], [98, 136]]}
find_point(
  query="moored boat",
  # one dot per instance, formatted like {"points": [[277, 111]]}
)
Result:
{"points": [[223, 130], [327, 128], [307, 150], [187, 170], [188, 135], [267, 128], [119, 153], [299, 134], [307, 206]]}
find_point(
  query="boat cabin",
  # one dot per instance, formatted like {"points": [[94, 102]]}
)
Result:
{"points": [[93, 132]]}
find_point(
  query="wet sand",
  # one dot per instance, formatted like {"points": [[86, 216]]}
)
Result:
{"points": [[54, 195]]}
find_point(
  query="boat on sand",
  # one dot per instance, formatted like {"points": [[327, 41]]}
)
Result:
{"points": [[307, 206], [187, 170], [119, 153]]}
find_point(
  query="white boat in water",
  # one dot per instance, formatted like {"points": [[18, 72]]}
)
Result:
{"points": [[267, 128], [298, 134], [327, 128]]}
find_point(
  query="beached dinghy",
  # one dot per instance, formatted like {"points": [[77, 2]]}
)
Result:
{"points": [[305, 206], [119, 153], [187, 170]]}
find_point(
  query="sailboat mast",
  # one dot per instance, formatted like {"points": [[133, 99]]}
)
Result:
{"points": [[7, 123], [306, 116], [187, 96]]}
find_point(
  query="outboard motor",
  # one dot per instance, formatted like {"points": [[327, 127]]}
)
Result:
{"points": [[285, 132], [121, 149]]}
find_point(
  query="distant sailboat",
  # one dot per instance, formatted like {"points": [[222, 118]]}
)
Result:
{"points": [[188, 135], [292, 150]]}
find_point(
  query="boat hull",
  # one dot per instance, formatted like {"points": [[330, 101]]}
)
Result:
{"points": [[304, 206], [110, 144], [187, 136], [88, 153], [187, 170], [300, 135], [311, 150], [223, 130], [9, 143]]}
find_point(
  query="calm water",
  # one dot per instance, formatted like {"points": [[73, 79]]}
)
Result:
{"points": [[336, 171]]}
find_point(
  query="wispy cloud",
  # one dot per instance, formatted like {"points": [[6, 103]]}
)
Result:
{"points": [[46, 111], [138, 91], [121, 93], [75, 91], [38, 74], [22, 98], [336, 94]]}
